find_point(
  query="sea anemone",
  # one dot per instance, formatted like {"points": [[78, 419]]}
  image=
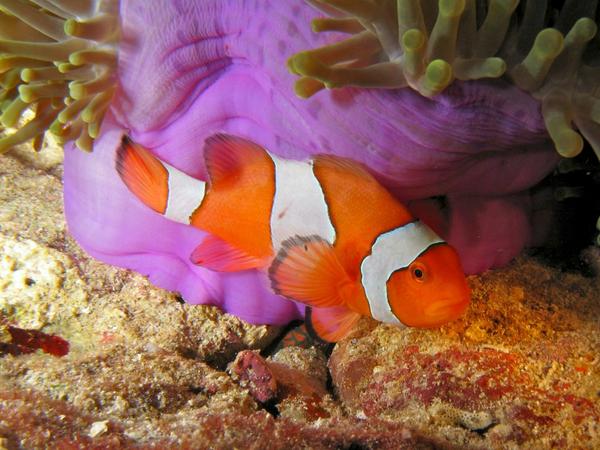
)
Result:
{"points": [[427, 45], [464, 158], [59, 59]]}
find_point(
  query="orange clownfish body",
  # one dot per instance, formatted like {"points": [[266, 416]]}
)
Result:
{"points": [[328, 234]]}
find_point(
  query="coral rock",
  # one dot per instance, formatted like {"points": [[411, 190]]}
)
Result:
{"points": [[48, 283], [252, 372], [521, 368], [302, 377]]}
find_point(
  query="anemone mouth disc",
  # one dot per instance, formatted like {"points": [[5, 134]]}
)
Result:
{"points": [[426, 45], [57, 58]]}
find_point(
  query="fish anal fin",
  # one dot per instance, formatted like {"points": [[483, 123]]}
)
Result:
{"points": [[331, 324], [143, 174], [219, 255], [306, 269], [226, 156]]}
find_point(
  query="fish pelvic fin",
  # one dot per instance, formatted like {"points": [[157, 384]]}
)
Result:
{"points": [[331, 324]]}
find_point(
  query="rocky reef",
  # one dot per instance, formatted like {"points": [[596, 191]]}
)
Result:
{"points": [[519, 369], [145, 370]]}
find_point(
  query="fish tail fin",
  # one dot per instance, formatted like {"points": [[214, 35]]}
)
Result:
{"points": [[143, 174], [158, 185]]}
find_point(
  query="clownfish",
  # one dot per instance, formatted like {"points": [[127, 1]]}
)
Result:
{"points": [[325, 231]]}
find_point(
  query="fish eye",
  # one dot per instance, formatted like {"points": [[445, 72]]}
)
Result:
{"points": [[418, 272]]}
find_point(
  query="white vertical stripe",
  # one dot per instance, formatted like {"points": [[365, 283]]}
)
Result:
{"points": [[185, 195], [391, 251], [299, 206]]}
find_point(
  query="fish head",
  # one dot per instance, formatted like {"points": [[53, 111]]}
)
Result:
{"points": [[431, 291]]}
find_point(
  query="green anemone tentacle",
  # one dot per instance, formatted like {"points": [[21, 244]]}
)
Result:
{"points": [[426, 44], [58, 59]]}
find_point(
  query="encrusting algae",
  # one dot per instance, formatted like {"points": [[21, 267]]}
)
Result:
{"points": [[426, 45], [59, 59]]}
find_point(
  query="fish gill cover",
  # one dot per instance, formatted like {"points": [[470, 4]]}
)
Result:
{"points": [[495, 87]]}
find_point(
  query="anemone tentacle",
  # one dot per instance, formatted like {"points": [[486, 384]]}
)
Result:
{"points": [[59, 59], [425, 45]]}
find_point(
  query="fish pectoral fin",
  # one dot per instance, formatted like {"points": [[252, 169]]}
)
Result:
{"points": [[331, 324], [307, 269], [219, 255]]}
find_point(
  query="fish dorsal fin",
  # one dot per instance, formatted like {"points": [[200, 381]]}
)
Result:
{"points": [[307, 269], [219, 255], [345, 165], [226, 155], [143, 174], [331, 324]]}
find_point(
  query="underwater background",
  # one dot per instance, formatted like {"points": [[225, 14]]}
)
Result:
{"points": [[471, 129]]}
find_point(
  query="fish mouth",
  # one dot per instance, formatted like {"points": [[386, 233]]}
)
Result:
{"points": [[444, 311]]}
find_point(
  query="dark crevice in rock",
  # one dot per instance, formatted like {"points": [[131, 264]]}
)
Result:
{"points": [[570, 196], [354, 446], [219, 361], [480, 431], [187, 353], [270, 407], [197, 389], [277, 343], [330, 386], [327, 349]]}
